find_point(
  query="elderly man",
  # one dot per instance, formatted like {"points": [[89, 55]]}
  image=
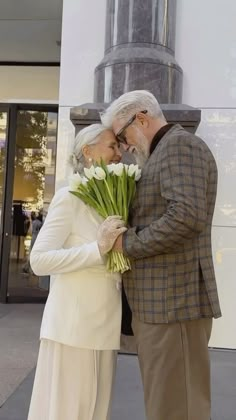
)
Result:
{"points": [[171, 287]]}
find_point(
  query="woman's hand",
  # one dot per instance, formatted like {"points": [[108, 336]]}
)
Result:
{"points": [[108, 232]]}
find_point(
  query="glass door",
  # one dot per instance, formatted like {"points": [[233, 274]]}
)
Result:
{"points": [[7, 132], [3, 145], [28, 137], [33, 189], [3, 140]]}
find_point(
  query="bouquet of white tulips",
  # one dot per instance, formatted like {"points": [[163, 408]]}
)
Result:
{"points": [[110, 190]]}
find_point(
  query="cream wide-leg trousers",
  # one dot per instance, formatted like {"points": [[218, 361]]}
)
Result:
{"points": [[72, 383]]}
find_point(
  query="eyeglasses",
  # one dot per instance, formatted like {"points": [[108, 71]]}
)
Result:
{"points": [[120, 135]]}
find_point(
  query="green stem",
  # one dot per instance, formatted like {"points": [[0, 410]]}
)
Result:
{"points": [[117, 262], [111, 198]]}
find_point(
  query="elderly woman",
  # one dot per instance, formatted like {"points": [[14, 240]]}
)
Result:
{"points": [[80, 331]]}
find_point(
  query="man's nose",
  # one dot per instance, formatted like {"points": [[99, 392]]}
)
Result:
{"points": [[125, 147]]}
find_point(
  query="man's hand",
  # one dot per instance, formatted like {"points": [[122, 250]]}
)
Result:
{"points": [[118, 244]]}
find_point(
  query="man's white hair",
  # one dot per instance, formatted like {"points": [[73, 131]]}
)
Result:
{"points": [[86, 136], [129, 104]]}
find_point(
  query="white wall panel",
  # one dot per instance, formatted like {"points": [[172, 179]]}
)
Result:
{"points": [[224, 251], [65, 140], [206, 51], [83, 36], [218, 129]]}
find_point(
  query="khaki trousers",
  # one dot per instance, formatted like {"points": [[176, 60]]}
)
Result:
{"points": [[175, 369]]}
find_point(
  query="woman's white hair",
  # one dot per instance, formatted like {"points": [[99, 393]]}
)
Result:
{"points": [[129, 104], [86, 136]]}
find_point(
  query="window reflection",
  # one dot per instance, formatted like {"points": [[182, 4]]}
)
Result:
{"points": [[34, 179], [3, 131]]}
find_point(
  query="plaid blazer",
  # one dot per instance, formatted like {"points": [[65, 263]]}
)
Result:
{"points": [[169, 241]]}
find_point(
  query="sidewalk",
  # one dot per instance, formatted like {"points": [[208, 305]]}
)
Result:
{"points": [[19, 333], [19, 329]]}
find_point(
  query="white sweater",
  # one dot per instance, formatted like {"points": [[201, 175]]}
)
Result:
{"points": [[83, 308]]}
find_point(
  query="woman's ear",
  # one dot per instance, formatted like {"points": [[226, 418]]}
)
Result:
{"points": [[86, 152]]}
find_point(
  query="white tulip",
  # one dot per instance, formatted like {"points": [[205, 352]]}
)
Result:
{"points": [[100, 174], [84, 180], [131, 169], [118, 169], [89, 172], [110, 167], [138, 174], [126, 167], [74, 182], [134, 170]]}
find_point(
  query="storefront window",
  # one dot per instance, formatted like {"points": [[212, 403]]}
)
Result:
{"points": [[33, 188], [3, 134]]}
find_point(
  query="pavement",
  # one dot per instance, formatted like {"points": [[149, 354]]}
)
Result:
{"points": [[19, 342], [19, 331]]}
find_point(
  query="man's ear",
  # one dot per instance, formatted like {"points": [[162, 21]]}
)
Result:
{"points": [[142, 119]]}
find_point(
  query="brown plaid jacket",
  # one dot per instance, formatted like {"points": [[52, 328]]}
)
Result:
{"points": [[169, 242]]}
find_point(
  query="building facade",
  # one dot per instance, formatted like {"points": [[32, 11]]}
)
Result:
{"points": [[205, 49]]}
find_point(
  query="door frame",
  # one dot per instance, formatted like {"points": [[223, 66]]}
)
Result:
{"points": [[8, 182]]}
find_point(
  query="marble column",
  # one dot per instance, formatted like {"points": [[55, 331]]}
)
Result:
{"points": [[139, 51]]}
